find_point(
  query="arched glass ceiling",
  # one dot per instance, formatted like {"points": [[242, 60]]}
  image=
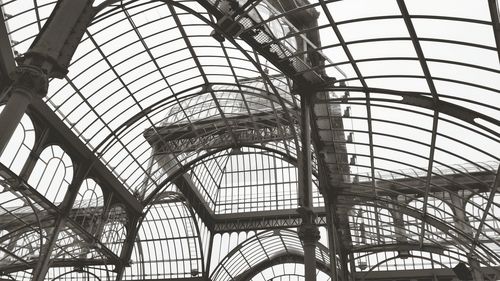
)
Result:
{"points": [[138, 68], [168, 244], [262, 251], [150, 43], [411, 118], [288, 271]]}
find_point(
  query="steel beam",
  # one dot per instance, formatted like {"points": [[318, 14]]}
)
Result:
{"points": [[214, 133], [469, 184], [7, 63], [285, 213], [420, 100], [222, 223], [495, 20], [279, 219]]}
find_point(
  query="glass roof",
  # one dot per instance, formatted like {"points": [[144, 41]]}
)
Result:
{"points": [[194, 108]]}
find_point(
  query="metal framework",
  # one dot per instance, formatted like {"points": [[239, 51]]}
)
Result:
{"points": [[249, 140]]}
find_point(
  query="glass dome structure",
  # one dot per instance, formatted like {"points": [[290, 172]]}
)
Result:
{"points": [[249, 140]]}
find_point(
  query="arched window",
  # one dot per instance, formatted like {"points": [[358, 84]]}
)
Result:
{"points": [[88, 206], [20, 145], [52, 174], [89, 195]]}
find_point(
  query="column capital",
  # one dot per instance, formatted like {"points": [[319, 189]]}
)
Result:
{"points": [[309, 233], [31, 79]]}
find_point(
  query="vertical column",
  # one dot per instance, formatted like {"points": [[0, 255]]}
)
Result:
{"points": [[340, 240], [128, 245], [206, 272], [399, 225], [309, 235], [305, 165], [462, 223], [308, 230], [332, 241], [29, 81]]}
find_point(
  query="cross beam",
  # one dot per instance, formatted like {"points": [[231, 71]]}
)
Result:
{"points": [[279, 219], [7, 64]]}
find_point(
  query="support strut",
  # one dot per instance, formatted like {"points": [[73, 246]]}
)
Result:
{"points": [[308, 230]]}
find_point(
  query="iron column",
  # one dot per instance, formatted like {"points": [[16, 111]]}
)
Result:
{"points": [[308, 230]]}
